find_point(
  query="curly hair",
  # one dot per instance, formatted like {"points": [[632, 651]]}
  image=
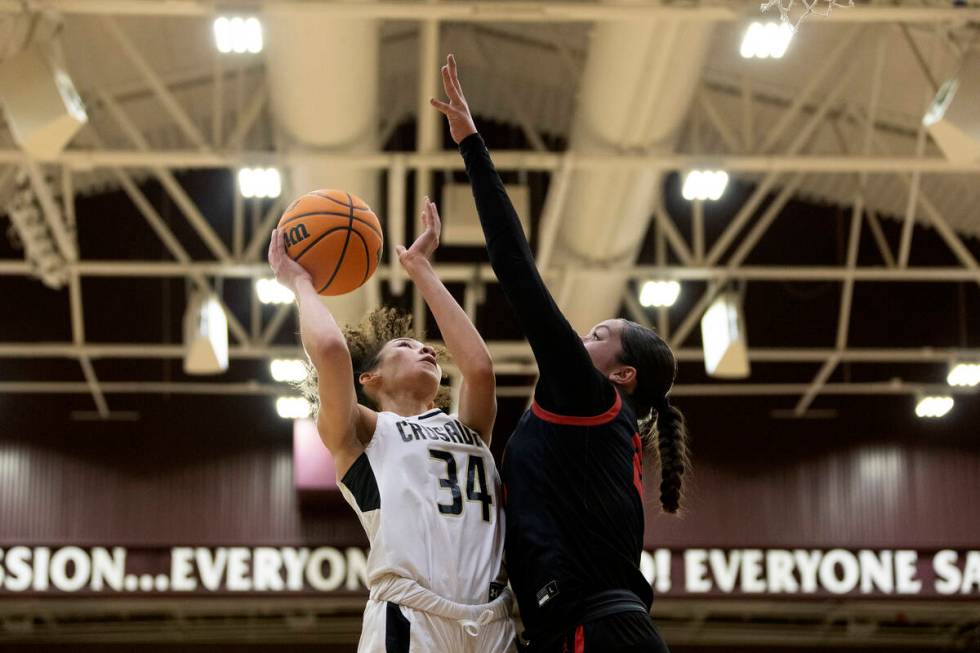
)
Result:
{"points": [[365, 342]]}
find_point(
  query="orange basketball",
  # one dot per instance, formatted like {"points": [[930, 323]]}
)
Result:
{"points": [[335, 236]]}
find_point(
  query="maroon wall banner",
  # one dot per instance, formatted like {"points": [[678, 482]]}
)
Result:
{"points": [[42, 570]]}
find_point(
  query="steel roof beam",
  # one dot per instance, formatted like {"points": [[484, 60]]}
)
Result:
{"points": [[464, 272], [506, 352], [492, 10], [678, 390], [529, 160]]}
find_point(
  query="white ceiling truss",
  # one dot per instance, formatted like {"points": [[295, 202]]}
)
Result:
{"points": [[786, 143]]}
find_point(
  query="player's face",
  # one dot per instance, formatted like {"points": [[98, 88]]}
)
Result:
{"points": [[604, 344], [405, 360]]}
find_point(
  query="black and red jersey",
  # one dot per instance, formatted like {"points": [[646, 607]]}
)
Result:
{"points": [[572, 468], [574, 509]]}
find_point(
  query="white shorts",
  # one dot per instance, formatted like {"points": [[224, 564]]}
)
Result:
{"points": [[402, 617]]}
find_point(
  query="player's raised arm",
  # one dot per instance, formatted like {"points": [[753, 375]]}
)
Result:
{"points": [[570, 384], [477, 400], [325, 345]]}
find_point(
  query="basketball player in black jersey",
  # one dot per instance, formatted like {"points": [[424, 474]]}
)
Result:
{"points": [[572, 469]]}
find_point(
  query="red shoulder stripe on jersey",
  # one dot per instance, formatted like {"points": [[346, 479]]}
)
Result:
{"points": [[580, 639], [570, 420]]}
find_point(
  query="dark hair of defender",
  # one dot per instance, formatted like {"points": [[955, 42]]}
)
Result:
{"points": [[662, 426]]}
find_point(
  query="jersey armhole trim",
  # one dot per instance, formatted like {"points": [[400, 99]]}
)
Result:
{"points": [[571, 420], [361, 482]]}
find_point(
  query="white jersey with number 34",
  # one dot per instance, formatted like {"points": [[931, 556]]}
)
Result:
{"points": [[427, 492]]}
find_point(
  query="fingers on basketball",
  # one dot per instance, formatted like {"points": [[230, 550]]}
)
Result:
{"points": [[335, 237], [275, 249]]}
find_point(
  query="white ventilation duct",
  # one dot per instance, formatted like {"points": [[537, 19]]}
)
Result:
{"points": [[637, 86], [323, 77]]}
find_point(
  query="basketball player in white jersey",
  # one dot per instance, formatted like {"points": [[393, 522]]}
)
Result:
{"points": [[423, 483]]}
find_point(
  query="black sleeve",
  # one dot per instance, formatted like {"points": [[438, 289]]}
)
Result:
{"points": [[569, 384]]}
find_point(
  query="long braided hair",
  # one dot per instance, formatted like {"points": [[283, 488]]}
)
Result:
{"points": [[662, 426]]}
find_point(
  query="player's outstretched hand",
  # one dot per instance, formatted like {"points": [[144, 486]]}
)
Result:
{"points": [[288, 272], [456, 111], [425, 245]]}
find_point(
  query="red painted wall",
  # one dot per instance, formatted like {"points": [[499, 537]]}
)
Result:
{"points": [[784, 489]]}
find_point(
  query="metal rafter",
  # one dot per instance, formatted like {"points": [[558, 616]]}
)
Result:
{"points": [[637, 313], [829, 65], [905, 244], [678, 390], [798, 143], [528, 160], [49, 208], [747, 114], [248, 116], [554, 209], [952, 239], [272, 328], [879, 235], [728, 135], [170, 241], [666, 226], [170, 183], [428, 157], [744, 249], [217, 100], [463, 272], [506, 352], [880, 239], [397, 221], [553, 11], [854, 237], [660, 255], [515, 103], [513, 359], [428, 136], [260, 238], [78, 338], [167, 98]]}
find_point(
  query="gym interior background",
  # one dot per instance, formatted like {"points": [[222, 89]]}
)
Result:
{"points": [[835, 430]]}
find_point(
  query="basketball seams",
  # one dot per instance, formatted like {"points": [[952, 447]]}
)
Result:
{"points": [[367, 259], [330, 198], [317, 240], [343, 252], [331, 213], [340, 262], [336, 201], [323, 224]]}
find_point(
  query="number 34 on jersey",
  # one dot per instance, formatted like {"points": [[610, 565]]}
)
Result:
{"points": [[462, 475]]}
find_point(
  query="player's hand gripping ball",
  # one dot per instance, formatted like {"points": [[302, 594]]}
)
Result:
{"points": [[335, 236]]}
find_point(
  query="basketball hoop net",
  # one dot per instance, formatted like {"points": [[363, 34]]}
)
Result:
{"points": [[818, 7]]}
